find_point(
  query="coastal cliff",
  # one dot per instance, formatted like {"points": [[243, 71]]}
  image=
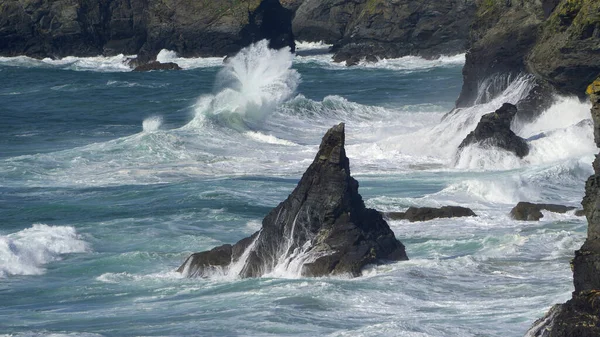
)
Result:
{"points": [[580, 316], [358, 29], [386, 29], [557, 42], [44, 28]]}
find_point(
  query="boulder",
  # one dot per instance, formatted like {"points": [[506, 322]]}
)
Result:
{"points": [[414, 214], [322, 228], [527, 211], [494, 130], [155, 65]]}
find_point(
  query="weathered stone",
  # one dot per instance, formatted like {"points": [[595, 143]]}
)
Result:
{"points": [[494, 130], [322, 228], [580, 316], [385, 29], [527, 211], [554, 40], [61, 28], [155, 65], [414, 214]]}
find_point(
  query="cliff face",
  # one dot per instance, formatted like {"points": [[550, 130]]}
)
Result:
{"points": [[385, 29], [580, 316], [58, 28], [558, 41]]}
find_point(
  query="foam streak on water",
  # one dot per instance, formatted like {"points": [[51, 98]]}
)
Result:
{"points": [[130, 196]]}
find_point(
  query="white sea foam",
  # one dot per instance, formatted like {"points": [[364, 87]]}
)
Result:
{"points": [[251, 85], [406, 63], [152, 124], [165, 56], [118, 63], [27, 251]]}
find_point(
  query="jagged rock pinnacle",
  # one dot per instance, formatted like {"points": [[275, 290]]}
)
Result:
{"points": [[322, 228]]}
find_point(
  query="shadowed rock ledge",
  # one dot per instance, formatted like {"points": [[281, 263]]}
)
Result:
{"points": [[322, 228], [580, 316]]}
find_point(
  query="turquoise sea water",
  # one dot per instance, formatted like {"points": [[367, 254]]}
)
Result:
{"points": [[110, 178]]}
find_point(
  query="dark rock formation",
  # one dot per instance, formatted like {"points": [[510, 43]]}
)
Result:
{"points": [[580, 316], [494, 130], [155, 65], [374, 29], [527, 211], [322, 228], [58, 28], [554, 40], [414, 214]]}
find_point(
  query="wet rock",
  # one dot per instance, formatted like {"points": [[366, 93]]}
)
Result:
{"points": [[555, 41], [60, 28], [386, 29], [580, 316], [494, 130], [414, 214], [322, 228], [157, 66], [527, 211]]}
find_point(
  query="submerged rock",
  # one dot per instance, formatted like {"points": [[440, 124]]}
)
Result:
{"points": [[414, 214], [157, 66], [375, 29], [322, 228], [494, 130], [527, 211]]}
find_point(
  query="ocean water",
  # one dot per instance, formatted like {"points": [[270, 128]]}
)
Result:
{"points": [[109, 179]]}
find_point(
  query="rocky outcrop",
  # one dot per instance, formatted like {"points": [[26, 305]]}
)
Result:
{"points": [[155, 65], [322, 228], [580, 316], [58, 28], [527, 211], [556, 41], [494, 130], [386, 29], [414, 214]]}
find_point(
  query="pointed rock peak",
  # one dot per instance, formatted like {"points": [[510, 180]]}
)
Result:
{"points": [[332, 146], [322, 228]]}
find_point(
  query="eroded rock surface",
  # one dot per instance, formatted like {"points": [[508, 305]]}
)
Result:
{"points": [[494, 130], [59, 28], [322, 228], [580, 316], [414, 214], [527, 211]]}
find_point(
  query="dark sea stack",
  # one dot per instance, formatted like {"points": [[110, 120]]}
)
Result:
{"points": [[322, 228], [414, 214], [155, 65], [494, 130], [580, 316], [386, 29], [526, 211], [60, 28]]}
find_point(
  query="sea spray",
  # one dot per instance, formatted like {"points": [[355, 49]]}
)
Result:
{"points": [[152, 124], [27, 251], [250, 86]]}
